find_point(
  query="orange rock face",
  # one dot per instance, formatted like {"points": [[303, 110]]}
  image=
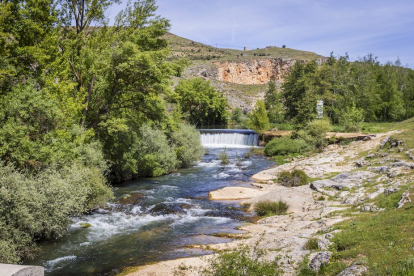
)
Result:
{"points": [[258, 71]]}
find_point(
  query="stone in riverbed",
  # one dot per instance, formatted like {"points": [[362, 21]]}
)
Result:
{"points": [[132, 198], [169, 208]]}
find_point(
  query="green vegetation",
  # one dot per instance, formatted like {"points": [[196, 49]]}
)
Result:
{"points": [[34, 207], [352, 91], [271, 208], [293, 179], [258, 120], [198, 52], [243, 259], [80, 107], [285, 146], [274, 107], [236, 115], [223, 157], [200, 102], [310, 137], [311, 244]]}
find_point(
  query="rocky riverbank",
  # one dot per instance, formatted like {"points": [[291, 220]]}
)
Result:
{"points": [[342, 177]]}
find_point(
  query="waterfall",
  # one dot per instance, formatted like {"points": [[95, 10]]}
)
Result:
{"points": [[230, 138]]}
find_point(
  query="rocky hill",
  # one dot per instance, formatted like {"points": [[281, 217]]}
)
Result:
{"points": [[241, 75]]}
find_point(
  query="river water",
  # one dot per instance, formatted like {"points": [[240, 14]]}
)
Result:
{"points": [[154, 219]]}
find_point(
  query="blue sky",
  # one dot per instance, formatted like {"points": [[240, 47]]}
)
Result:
{"points": [[359, 27]]}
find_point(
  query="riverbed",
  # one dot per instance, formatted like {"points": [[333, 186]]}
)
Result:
{"points": [[155, 219]]}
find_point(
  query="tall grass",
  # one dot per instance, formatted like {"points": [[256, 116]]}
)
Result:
{"points": [[271, 208]]}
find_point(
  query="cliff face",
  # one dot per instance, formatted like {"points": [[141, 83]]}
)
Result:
{"points": [[258, 71]]}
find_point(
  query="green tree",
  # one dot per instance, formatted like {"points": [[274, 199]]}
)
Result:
{"points": [[258, 120], [274, 106], [201, 103], [236, 115]]}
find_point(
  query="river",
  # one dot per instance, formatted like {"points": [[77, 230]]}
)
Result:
{"points": [[154, 219]]}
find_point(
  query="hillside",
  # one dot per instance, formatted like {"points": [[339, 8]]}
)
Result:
{"points": [[241, 75]]}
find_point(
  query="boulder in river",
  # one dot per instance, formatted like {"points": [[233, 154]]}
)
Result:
{"points": [[132, 198], [169, 208]]}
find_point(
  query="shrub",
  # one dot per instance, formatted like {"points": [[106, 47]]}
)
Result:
{"points": [[311, 244], [223, 157], [155, 156], [351, 118], [35, 207], [188, 148], [293, 179], [314, 133], [241, 261], [258, 119], [285, 146], [269, 208], [236, 115]]}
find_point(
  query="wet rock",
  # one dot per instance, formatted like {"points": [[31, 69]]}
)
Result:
{"points": [[224, 213], [168, 208], [353, 270], [321, 258], [132, 198]]}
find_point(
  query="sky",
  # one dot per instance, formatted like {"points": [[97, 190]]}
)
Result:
{"points": [[357, 27]]}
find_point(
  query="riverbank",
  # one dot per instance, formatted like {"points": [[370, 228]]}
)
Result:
{"points": [[342, 179]]}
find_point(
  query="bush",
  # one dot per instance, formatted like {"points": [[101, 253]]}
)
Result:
{"points": [[223, 157], [285, 146], [155, 156], [293, 179], [38, 207], [311, 244], [241, 261], [201, 103], [187, 144], [270, 208], [351, 118], [258, 119], [314, 133], [236, 115]]}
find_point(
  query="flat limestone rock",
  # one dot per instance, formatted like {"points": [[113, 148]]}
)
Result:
{"points": [[234, 193], [21, 270]]}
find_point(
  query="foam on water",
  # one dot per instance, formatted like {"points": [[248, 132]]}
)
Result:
{"points": [[50, 265], [221, 175]]}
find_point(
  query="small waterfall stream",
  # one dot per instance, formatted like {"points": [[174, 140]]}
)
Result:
{"points": [[229, 138]]}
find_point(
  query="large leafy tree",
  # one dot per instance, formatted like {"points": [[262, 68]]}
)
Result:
{"points": [[201, 103]]}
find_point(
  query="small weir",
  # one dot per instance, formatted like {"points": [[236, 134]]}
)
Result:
{"points": [[229, 138]]}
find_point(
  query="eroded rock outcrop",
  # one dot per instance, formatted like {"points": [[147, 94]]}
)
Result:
{"points": [[257, 71]]}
